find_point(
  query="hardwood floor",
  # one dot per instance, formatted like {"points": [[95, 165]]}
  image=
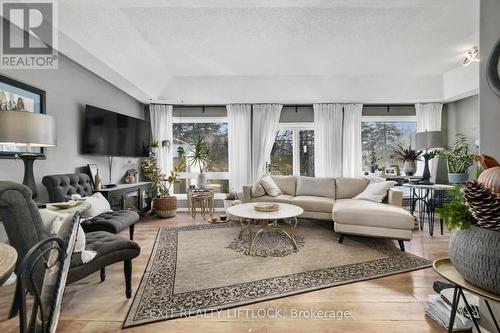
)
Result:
{"points": [[391, 304]]}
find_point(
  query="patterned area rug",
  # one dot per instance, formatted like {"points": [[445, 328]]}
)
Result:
{"points": [[268, 244], [194, 270]]}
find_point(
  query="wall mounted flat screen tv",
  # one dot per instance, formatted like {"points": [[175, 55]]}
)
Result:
{"points": [[109, 133]]}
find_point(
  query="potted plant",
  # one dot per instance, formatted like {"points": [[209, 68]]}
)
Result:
{"points": [[458, 160], [474, 247], [372, 161], [408, 157], [199, 157], [164, 204]]}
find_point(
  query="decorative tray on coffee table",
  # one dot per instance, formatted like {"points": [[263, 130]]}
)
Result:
{"points": [[266, 207]]}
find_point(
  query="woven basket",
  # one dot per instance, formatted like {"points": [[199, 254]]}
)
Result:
{"points": [[475, 253], [165, 207]]}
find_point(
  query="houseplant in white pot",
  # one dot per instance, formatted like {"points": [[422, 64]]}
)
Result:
{"points": [[408, 157], [164, 204], [458, 160], [199, 155]]}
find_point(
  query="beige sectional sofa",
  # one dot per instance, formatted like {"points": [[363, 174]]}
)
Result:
{"points": [[332, 199]]}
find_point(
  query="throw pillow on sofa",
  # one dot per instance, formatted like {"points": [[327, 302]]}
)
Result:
{"points": [[270, 186], [52, 222], [258, 190], [316, 186], [99, 205], [375, 191]]}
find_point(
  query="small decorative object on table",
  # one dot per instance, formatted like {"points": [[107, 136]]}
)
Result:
{"points": [[266, 207], [390, 171], [97, 181], [408, 157], [131, 176]]}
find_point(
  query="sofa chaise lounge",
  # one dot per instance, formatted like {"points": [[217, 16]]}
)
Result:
{"points": [[332, 199]]}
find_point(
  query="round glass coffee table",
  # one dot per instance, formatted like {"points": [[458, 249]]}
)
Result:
{"points": [[251, 219]]}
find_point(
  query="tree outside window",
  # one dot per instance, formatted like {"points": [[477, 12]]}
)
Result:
{"points": [[381, 137]]}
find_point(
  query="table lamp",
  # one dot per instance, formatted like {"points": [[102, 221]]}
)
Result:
{"points": [[27, 129], [425, 141]]}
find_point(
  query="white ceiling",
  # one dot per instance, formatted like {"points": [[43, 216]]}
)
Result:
{"points": [[149, 47]]}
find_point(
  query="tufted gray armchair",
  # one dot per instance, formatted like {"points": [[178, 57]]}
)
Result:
{"points": [[62, 187], [24, 227]]}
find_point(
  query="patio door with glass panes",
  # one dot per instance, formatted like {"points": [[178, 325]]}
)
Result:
{"points": [[293, 151]]}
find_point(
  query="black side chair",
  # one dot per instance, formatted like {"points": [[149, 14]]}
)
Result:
{"points": [[62, 187], [52, 257], [24, 227]]}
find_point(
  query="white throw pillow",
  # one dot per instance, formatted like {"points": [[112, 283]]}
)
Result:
{"points": [[99, 205], [375, 179], [375, 191], [53, 221], [258, 190], [270, 186]]}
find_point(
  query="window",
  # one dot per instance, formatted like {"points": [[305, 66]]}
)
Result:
{"points": [[293, 151], [381, 134], [215, 132]]}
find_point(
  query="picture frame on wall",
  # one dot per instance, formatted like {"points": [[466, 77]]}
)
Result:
{"points": [[18, 96]]}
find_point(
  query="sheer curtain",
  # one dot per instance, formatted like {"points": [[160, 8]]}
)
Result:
{"points": [[240, 145], [161, 129], [266, 118], [327, 140], [351, 150], [428, 119]]}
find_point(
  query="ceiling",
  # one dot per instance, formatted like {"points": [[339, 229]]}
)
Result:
{"points": [[149, 47]]}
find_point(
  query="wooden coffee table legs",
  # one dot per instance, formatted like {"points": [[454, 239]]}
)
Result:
{"points": [[248, 225]]}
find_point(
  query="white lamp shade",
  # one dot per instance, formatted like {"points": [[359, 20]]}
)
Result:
{"points": [[23, 128]]}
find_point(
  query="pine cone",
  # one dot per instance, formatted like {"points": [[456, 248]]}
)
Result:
{"points": [[483, 205]]}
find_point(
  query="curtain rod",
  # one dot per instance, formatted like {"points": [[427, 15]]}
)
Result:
{"points": [[287, 105]]}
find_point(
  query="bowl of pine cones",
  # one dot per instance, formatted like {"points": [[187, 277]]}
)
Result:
{"points": [[475, 251]]}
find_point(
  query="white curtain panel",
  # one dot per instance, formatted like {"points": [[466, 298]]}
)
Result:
{"points": [[240, 145], [266, 118], [351, 151], [328, 140], [429, 117], [161, 129]]}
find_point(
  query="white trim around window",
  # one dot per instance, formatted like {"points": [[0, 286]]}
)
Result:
{"points": [[194, 175], [388, 119], [296, 128]]}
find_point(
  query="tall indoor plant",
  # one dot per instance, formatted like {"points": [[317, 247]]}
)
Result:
{"points": [[408, 157], [165, 205], [458, 160], [199, 155]]}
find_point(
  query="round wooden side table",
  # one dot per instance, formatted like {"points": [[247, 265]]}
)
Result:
{"points": [[445, 268], [8, 258]]}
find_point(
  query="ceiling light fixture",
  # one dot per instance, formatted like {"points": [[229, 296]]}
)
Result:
{"points": [[471, 55]]}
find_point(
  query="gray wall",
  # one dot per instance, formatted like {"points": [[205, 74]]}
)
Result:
{"points": [[68, 89], [461, 117], [489, 103]]}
